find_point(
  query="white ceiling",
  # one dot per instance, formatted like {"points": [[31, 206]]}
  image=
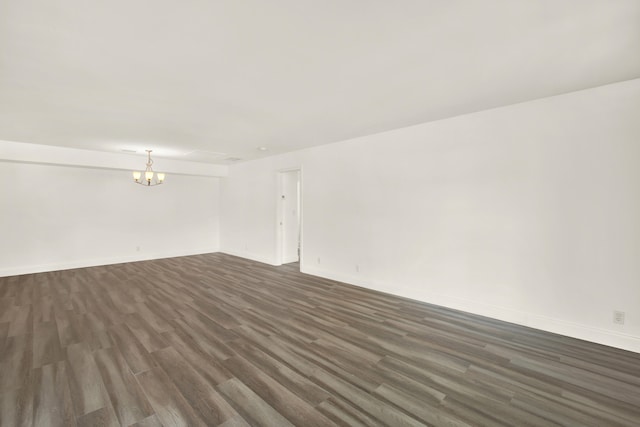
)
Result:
{"points": [[193, 78]]}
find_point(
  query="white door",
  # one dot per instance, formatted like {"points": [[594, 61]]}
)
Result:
{"points": [[290, 220]]}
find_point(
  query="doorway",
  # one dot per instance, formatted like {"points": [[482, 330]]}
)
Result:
{"points": [[289, 216]]}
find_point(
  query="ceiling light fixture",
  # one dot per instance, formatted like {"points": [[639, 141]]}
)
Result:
{"points": [[150, 178]]}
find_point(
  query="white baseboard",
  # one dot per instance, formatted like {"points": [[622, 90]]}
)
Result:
{"points": [[533, 320], [41, 268]]}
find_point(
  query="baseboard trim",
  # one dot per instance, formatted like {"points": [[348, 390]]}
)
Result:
{"points": [[606, 337], [42, 268], [290, 260]]}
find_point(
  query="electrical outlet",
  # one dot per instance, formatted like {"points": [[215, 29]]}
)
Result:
{"points": [[137, 248], [318, 260], [357, 268], [618, 317]]}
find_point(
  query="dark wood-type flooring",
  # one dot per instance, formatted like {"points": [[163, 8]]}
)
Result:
{"points": [[219, 340]]}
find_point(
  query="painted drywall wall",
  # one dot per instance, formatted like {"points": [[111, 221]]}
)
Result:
{"points": [[527, 213], [57, 217]]}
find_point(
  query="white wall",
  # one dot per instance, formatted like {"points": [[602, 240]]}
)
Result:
{"points": [[57, 217], [527, 213]]}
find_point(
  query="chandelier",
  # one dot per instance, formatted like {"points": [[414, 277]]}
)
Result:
{"points": [[150, 178]]}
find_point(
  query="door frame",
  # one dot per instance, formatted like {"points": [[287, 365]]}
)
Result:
{"points": [[279, 234]]}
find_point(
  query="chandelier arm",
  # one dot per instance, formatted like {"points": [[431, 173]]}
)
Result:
{"points": [[147, 184]]}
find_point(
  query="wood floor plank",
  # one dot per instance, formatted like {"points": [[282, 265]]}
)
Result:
{"points": [[204, 338], [285, 401], [151, 421], [69, 326], [293, 381], [202, 395], [207, 366], [103, 417], [152, 318], [16, 406], [16, 362], [4, 330], [346, 415], [248, 403], [132, 350], [365, 401], [428, 412], [127, 398], [561, 414], [87, 389], [46, 345], [22, 321], [360, 375], [43, 309], [170, 406], [53, 405], [144, 332], [236, 421], [219, 340], [24, 293]]}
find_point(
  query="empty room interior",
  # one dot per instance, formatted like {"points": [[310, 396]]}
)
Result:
{"points": [[332, 213]]}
